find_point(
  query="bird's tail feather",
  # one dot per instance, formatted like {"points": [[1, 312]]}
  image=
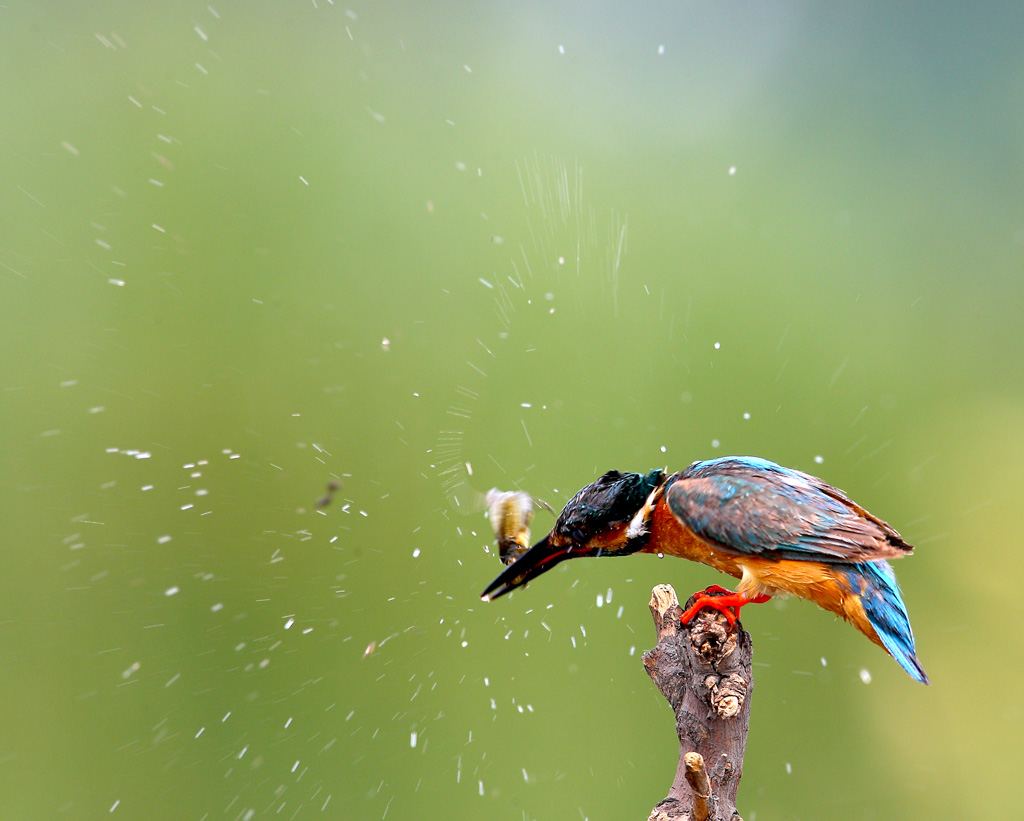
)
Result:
{"points": [[884, 608]]}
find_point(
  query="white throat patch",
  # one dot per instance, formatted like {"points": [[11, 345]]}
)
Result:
{"points": [[638, 525]]}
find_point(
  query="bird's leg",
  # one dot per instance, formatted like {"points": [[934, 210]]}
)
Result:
{"points": [[717, 588], [725, 602]]}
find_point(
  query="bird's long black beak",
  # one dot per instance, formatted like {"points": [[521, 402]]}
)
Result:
{"points": [[538, 559]]}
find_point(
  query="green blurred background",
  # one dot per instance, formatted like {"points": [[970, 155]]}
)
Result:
{"points": [[430, 248]]}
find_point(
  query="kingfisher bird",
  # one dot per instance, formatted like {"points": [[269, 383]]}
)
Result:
{"points": [[779, 531]]}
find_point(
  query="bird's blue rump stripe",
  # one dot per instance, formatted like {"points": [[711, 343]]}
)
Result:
{"points": [[880, 597]]}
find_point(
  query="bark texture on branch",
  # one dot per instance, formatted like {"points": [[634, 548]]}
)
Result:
{"points": [[703, 670]]}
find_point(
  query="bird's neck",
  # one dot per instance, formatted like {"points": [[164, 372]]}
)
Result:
{"points": [[669, 537]]}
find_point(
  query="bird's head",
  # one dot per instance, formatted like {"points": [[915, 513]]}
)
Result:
{"points": [[606, 518]]}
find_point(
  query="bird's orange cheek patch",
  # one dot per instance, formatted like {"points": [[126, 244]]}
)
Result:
{"points": [[609, 541]]}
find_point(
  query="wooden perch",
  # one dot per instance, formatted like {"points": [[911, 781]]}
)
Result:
{"points": [[703, 670]]}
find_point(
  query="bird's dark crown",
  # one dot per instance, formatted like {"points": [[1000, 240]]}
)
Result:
{"points": [[607, 504]]}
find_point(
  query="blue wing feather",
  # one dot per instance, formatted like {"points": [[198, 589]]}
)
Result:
{"points": [[750, 506]]}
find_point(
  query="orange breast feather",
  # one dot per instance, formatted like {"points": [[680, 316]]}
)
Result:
{"points": [[811, 580]]}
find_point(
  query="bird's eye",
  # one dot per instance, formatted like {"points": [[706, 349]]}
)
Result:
{"points": [[578, 535]]}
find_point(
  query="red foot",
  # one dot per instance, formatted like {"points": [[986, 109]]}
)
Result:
{"points": [[728, 603], [717, 588]]}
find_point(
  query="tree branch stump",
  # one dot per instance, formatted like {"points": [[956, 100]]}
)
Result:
{"points": [[703, 670]]}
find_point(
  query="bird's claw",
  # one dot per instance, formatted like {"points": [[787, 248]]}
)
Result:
{"points": [[726, 602]]}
